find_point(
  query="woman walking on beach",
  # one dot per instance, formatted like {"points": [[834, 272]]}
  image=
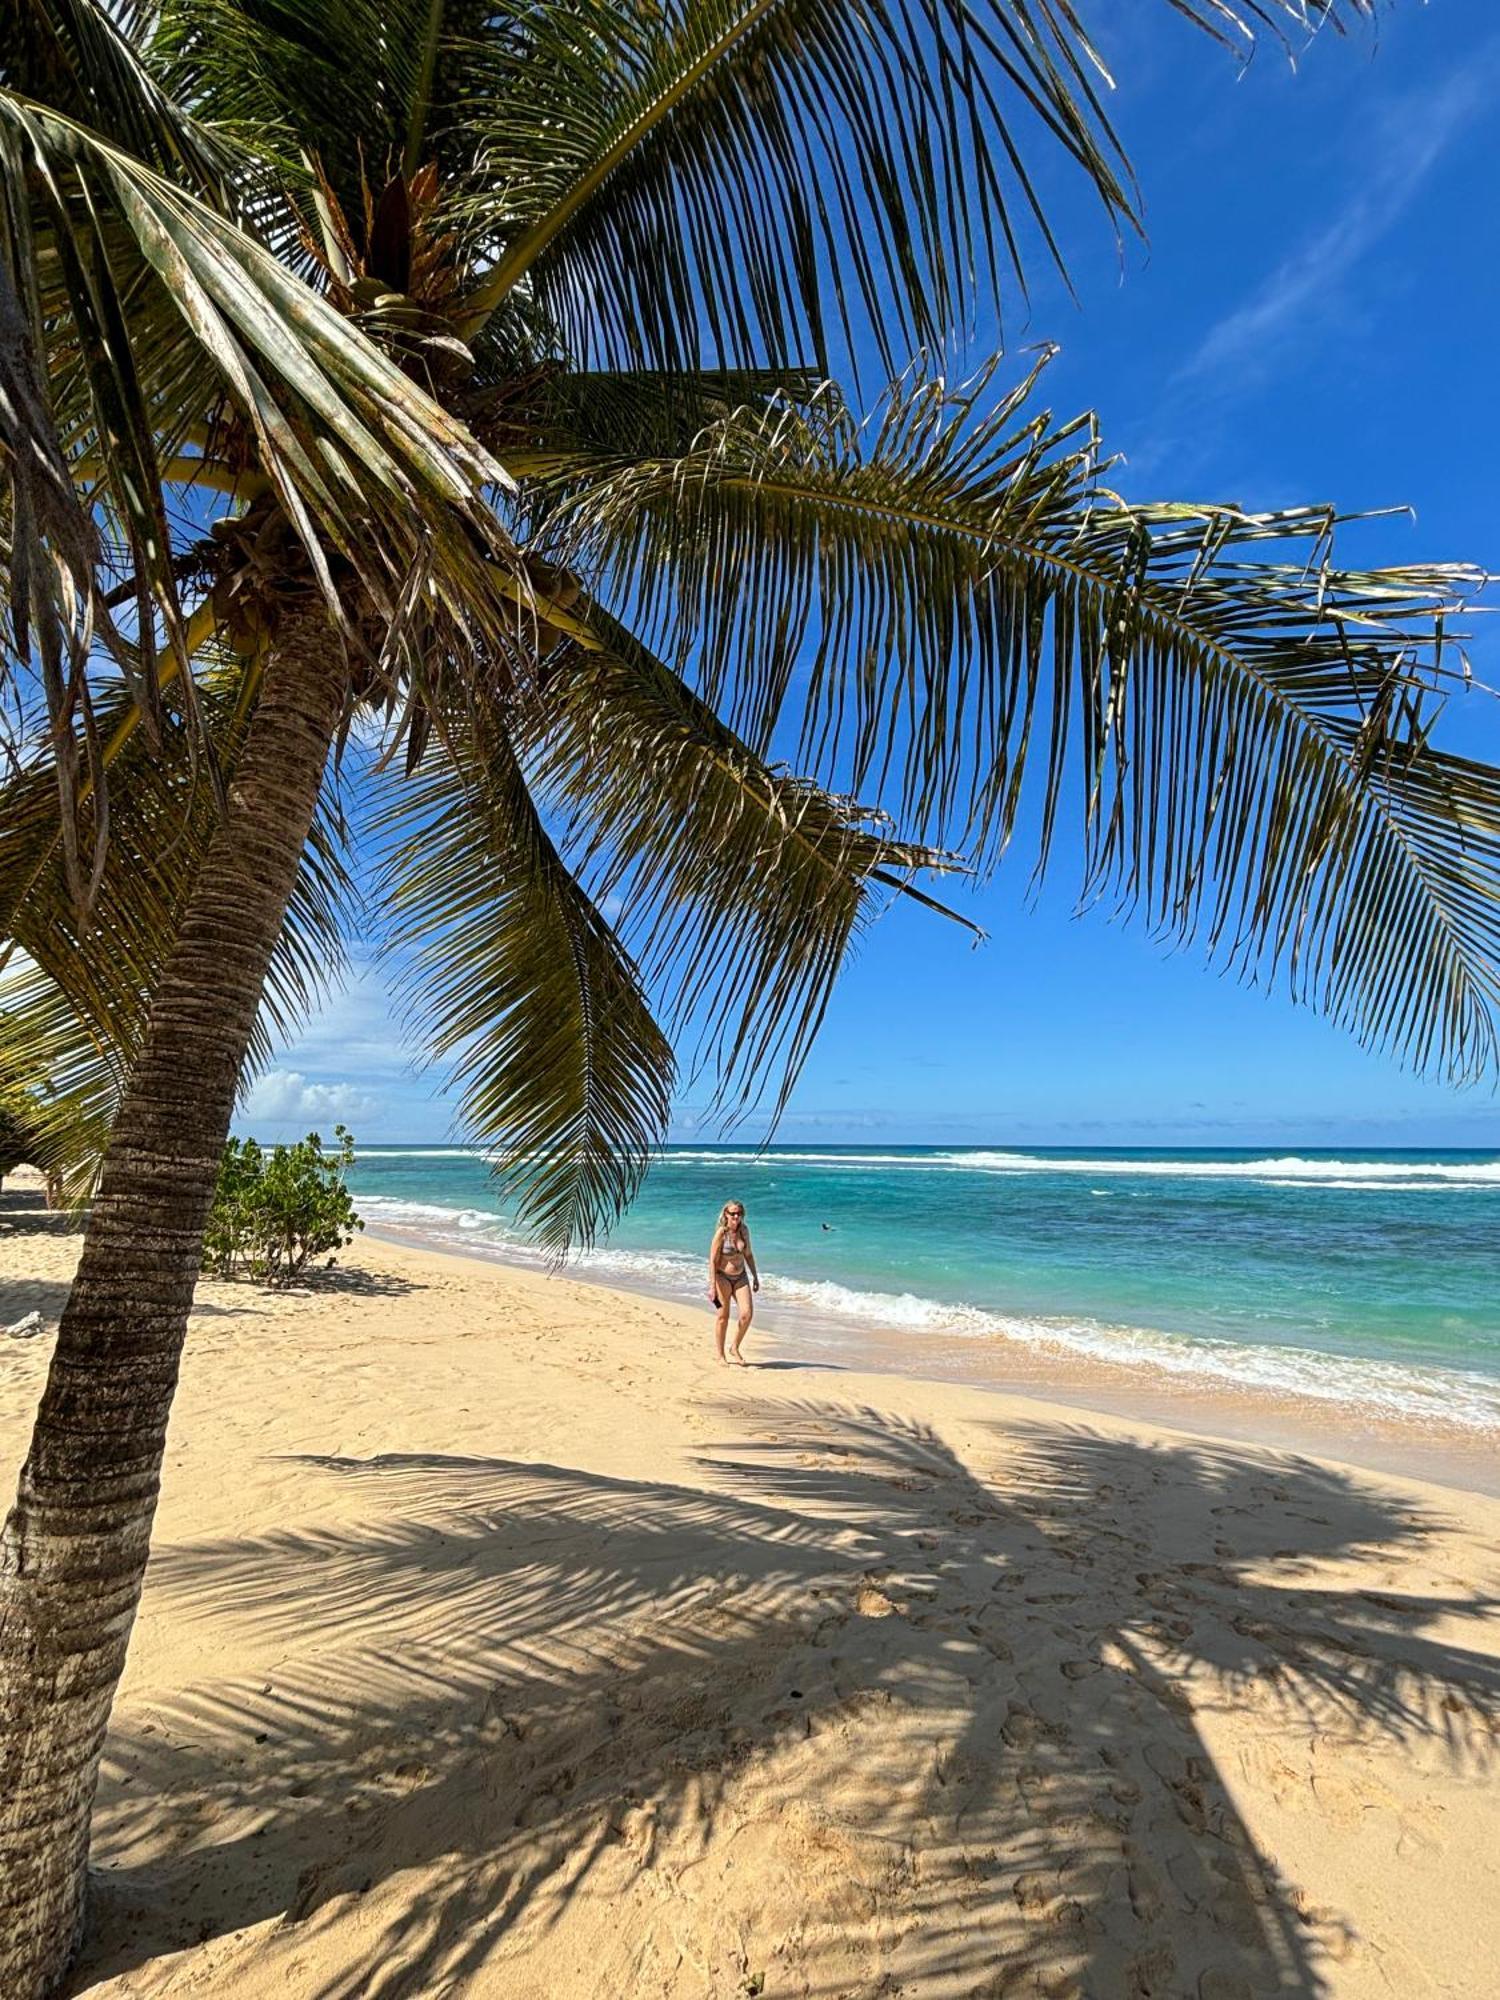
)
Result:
{"points": [[732, 1275]]}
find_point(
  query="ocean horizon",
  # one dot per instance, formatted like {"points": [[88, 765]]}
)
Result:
{"points": [[1362, 1279]]}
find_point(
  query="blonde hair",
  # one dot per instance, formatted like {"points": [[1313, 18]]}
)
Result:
{"points": [[724, 1213]]}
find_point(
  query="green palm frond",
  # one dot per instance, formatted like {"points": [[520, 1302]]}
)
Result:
{"points": [[76, 992], [157, 315], [711, 178], [566, 416], [69, 1086], [346, 437], [521, 988], [84, 60], [742, 887], [716, 178], [724, 177], [951, 610], [374, 81]]}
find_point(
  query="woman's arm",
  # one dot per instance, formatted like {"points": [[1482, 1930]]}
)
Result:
{"points": [[713, 1264], [750, 1260]]}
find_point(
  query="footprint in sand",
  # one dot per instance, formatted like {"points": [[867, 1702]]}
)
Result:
{"points": [[1153, 1973], [1038, 1896], [1219, 1985], [1336, 1936], [1144, 1886], [1023, 1728]]}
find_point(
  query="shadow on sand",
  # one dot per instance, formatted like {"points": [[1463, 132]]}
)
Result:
{"points": [[23, 1212], [952, 1707], [349, 1281]]}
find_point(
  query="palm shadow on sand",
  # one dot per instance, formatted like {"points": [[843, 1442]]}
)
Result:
{"points": [[952, 1708]]}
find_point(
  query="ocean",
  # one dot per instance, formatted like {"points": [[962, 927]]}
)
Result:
{"points": [[1369, 1281]]}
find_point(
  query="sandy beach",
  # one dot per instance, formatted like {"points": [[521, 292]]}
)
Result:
{"points": [[497, 1643]]}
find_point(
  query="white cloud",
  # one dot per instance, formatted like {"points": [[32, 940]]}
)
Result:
{"points": [[356, 1028], [288, 1097], [352, 1061], [1405, 145]]}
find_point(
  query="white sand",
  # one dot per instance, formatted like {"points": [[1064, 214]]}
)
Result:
{"points": [[497, 1643]]}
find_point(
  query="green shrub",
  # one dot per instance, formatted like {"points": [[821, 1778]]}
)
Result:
{"points": [[15, 1138], [274, 1212]]}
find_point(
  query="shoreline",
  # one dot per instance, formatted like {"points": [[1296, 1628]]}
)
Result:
{"points": [[1461, 1458]]}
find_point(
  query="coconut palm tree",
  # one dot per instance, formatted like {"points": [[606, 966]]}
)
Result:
{"points": [[450, 392]]}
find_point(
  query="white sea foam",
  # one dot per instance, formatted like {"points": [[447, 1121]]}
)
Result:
{"points": [[1458, 1399], [1389, 1187], [390, 1208]]}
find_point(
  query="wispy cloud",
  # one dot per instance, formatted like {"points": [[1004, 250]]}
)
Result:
{"points": [[1409, 137]]}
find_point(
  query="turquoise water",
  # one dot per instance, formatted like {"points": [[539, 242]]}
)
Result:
{"points": [[1344, 1276]]}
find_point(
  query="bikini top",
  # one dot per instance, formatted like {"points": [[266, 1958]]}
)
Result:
{"points": [[731, 1246]]}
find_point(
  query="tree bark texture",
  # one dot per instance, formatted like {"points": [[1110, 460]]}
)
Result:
{"points": [[73, 1550]]}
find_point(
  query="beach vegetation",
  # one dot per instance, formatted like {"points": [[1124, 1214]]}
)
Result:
{"points": [[276, 1212], [456, 397]]}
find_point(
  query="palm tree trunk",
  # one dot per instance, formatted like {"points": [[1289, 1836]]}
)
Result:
{"points": [[73, 1551]]}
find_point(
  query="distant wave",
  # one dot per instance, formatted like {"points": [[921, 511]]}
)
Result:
{"points": [[421, 1152], [1290, 1170], [1454, 1398], [786, 1156]]}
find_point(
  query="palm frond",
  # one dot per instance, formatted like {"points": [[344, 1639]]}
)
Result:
{"points": [[77, 992], [63, 1087], [540, 426], [718, 179], [952, 612], [366, 84], [742, 888], [733, 179], [84, 59], [131, 316], [1235, 22], [521, 987]]}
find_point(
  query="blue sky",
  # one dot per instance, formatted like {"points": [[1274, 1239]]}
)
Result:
{"points": [[1312, 319]]}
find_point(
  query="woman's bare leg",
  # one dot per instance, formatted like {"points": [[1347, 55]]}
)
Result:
{"points": [[721, 1323], [744, 1298]]}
